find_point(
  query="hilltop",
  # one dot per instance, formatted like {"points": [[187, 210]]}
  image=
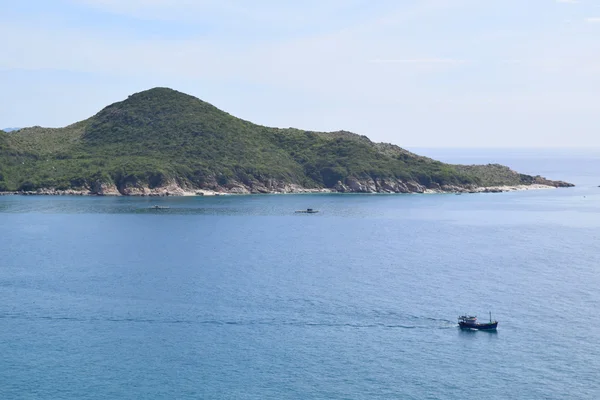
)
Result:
{"points": [[162, 141]]}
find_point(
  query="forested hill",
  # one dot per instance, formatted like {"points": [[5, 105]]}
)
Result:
{"points": [[161, 138]]}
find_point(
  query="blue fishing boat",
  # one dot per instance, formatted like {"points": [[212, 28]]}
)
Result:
{"points": [[470, 322]]}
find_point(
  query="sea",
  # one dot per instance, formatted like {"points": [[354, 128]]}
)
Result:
{"points": [[238, 297]]}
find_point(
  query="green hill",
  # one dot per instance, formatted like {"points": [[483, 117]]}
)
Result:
{"points": [[161, 140]]}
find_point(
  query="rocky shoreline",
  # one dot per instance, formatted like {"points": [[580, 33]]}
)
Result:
{"points": [[351, 185]]}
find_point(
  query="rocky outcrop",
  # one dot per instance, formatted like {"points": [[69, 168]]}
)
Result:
{"points": [[170, 188], [539, 180], [103, 189], [357, 186], [55, 192], [350, 185]]}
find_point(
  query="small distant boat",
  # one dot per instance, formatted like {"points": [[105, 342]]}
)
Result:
{"points": [[307, 211], [470, 322], [159, 207]]}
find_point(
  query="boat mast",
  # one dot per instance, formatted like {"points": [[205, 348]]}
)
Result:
{"points": [[490, 317]]}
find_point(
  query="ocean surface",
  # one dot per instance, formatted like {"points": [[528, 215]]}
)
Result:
{"points": [[237, 297]]}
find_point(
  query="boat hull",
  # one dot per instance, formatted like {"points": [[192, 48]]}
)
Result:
{"points": [[490, 326]]}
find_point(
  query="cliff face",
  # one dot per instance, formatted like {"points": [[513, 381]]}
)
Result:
{"points": [[271, 186], [162, 141]]}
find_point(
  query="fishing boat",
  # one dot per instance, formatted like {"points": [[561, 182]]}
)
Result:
{"points": [[159, 207], [470, 322], [307, 211]]}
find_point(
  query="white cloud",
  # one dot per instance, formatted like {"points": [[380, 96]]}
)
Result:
{"points": [[593, 20]]}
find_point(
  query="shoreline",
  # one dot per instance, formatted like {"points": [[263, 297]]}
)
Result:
{"points": [[210, 193]]}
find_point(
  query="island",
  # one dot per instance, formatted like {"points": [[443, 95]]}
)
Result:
{"points": [[163, 142]]}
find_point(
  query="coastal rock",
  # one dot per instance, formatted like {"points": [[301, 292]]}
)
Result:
{"points": [[172, 188], [134, 190], [340, 187], [356, 186], [543, 181], [456, 189], [415, 187], [256, 186], [388, 186], [403, 188], [58, 192], [104, 189], [237, 188], [51, 192], [492, 190]]}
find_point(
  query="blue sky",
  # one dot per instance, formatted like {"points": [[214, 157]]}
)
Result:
{"points": [[417, 73]]}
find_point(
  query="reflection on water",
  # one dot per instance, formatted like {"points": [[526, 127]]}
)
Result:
{"points": [[471, 332]]}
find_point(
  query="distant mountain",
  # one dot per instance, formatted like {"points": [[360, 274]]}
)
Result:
{"points": [[161, 141], [10, 129]]}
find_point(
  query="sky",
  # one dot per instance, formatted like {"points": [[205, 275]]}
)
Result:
{"points": [[417, 73]]}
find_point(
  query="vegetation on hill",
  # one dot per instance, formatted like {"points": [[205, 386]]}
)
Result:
{"points": [[161, 135]]}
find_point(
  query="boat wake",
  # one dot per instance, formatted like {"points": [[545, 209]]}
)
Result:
{"points": [[435, 323]]}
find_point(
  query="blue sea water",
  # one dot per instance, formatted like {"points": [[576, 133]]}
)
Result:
{"points": [[237, 297]]}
